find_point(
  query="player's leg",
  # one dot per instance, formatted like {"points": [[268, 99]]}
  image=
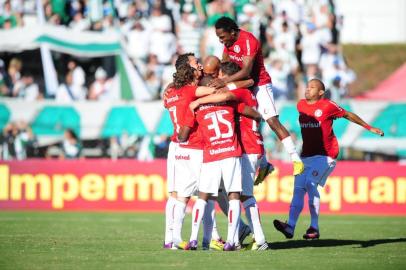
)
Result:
{"points": [[296, 206], [266, 107], [231, 172], [321, 168], [208, 223], [186, 178], [249, 165], [208, 184], [222, 199], [170, 203]]}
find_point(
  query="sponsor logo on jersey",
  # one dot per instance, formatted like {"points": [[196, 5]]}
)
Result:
{"points": [[235, 58], [182, 157], [318, 113], [237, 49], [310, 125], [172, 99], [221, 150]]}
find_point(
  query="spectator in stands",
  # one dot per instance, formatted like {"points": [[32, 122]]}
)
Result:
{"points": [[4, 91], [101, 88], [68, 92], [13, 75], [71, 146], [188, 33], [27, 89], [9, 18], [78, 75]]}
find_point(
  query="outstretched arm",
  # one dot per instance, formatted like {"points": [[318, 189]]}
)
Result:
{"points": [[240, 84], [214, 98], [357, 120], [244, 73], [251, 113]]}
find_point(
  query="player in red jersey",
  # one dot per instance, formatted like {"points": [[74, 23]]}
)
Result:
{"points": [[252, 147], [221, 161], [320, 149], [184, 160], [244, 49]]}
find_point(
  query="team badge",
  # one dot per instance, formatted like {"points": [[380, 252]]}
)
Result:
{"points": [[237, 49], [315, 173], [318, 113]]}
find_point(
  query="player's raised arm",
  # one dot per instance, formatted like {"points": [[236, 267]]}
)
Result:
{"points": [[357, 120]]}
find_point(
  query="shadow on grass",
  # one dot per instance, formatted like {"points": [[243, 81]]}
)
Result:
{"points": [[333, 243]]}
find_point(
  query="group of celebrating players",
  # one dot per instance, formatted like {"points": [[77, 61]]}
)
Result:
{"points": [[216, 151]]}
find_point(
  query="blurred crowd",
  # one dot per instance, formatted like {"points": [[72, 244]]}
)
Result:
{"points": [[300, 39]]}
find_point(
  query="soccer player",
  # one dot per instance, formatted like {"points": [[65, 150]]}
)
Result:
{"points": [[184, 161], [320, 149], [252, 147], [244, 49], [221, 161]]}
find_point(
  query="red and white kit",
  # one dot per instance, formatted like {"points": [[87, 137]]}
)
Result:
{"points": [[320, 145], [251, 142], [187, 157], [248, 46], [221, 151]]}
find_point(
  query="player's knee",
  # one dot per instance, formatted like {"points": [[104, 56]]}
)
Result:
{"points": [[234, 196]]}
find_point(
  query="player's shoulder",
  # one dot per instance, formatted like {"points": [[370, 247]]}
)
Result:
{"points": [[245, 34], [301, 103], [329, 104]]}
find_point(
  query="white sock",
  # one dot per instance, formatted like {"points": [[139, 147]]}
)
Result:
{"points": [[296, 206], [208, 222], [215, 233], [252, 213], [234, 212], [169, 211], [197, 215], [178, 217]]}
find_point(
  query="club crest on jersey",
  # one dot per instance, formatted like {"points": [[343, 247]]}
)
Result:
{"points": [[318, 113], [237, 49]]}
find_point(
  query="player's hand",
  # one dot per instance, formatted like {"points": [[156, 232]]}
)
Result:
{"points": [[298, 167], [193, 105], [377, 131], [166, 91], [217, 83]]}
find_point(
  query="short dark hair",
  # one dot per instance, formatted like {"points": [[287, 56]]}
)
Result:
{"points": [[229, 68], [321, 84], [205, 80], [227, 24]]}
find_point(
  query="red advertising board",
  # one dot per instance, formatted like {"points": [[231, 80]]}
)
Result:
{"points": [[129, 185]]}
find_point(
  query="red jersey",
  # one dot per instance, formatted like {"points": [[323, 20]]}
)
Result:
{"points": [[217, 126], [316, 123], [248, 45], [177, 103], [249, 135]]}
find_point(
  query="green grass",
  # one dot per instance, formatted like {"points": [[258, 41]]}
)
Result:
{"points": [[56, 240], [373, 63]]}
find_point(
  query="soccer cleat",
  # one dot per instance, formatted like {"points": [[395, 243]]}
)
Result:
{"points": [[244, 233], [311, 234], [181, 245], [229, 247], [216, 245], [168, 245], [298, 167], [192, 245], [263, 172], [255, 246], [284, 228]]}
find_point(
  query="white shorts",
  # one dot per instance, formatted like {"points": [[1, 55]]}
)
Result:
{"points": [[266, 103], [228, 170], [317, 169], [187, 170], [170, 167], [249, 165]]}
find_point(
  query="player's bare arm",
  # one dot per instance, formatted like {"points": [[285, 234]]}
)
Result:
{"points": [[244, 73], [214, 98], [357, 120], [251, 113], [240, 84], [204, 91], [183, 134]]}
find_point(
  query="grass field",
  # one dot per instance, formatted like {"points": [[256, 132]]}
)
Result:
{"points": [[50, 240]]}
